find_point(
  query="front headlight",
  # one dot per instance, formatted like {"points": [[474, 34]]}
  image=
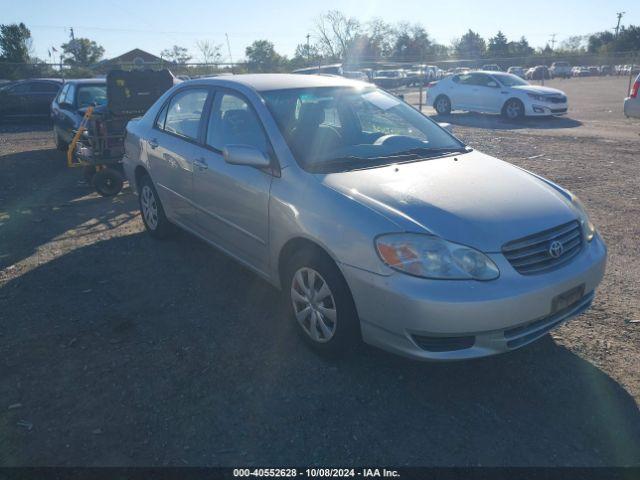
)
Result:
{"points": [[432, 257], [588, 229], [537, 98]]}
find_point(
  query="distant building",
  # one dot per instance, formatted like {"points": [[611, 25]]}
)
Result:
{"points": [[136, 58]]}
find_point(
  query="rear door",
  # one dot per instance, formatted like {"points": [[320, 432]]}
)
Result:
{"points": [[15, 102], [462, 94], [233, 200], [172, 148], [41, 94]]}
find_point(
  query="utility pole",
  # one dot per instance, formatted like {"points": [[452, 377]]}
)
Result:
{"points": [[229, 50], [553, 41], [308, 51], [619, 15]]}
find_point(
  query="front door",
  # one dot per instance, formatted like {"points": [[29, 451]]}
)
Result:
{"points": [[233, 200]]}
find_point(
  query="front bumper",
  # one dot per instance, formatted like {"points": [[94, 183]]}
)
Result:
{"points": [[540, 109], [467, 319]]}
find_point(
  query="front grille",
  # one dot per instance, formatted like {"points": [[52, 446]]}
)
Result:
{"points": [[443, 344], [519, 336], [558, 110], [533, 254], [561, 99]]}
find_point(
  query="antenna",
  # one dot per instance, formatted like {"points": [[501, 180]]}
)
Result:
{"points": [[229, 50], [619, 15]]}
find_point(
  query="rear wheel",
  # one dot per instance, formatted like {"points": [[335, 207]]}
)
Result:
{"points": [[443, 105], [320, 303], [513, 109], [153, 216]]}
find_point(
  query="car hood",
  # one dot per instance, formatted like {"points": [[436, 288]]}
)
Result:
{"points": [[473, 199], [538, 90]]}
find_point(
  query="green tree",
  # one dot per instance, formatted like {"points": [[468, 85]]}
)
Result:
{"points": [[81, 52], [412, 43], [498, 46], [176, 54], [305, 55], [521, 48], [598, 40], [262, 57], [15, 43], [470, 45]]}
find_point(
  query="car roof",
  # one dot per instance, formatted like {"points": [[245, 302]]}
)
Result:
{"points": [[87, 80], [280, 81], [56, 80]]}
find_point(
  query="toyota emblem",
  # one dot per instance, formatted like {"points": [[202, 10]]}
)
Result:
{"points": [[556, 248]]}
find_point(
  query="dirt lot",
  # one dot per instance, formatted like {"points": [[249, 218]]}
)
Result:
{"points": [[116, 349]]}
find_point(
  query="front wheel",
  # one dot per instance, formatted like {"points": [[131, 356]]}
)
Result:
{"points": [[321, 303], [153, 216], [513, 109], [443, 105]]}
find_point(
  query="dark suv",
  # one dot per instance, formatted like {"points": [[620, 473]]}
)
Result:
{"points": [[68, 108], [28, 98]]}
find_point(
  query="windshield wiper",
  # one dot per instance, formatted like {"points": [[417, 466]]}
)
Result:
{"points": [[426, 152]]}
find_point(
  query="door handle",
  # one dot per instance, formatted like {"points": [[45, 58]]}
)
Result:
{"points": [[153, 143], [200, 164]]}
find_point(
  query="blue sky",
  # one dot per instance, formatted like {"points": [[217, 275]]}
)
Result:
{"points": [[119, 25]]}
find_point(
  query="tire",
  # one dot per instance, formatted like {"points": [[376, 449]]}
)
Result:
{"points": [[60, 144], [154, 219], [442, 105], [330, 324], [513, 109], [108, 182]]}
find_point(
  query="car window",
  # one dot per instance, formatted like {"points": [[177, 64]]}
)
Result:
{"points": [[63, 93], [92, 94], [161, 117], [44, 87], [71, 93], [481, 80], [234, 122], [185, 111], [465, 79], [19, 88]]}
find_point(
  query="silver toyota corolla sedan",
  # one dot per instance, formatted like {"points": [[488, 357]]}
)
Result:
{"points": [[375, 222]]}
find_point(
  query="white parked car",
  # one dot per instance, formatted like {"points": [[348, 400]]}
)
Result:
{"points": [[495, 92], [517, 71], [560, 70]]}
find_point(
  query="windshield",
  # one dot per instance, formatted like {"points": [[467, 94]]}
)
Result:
{"points": [[345, 128], [91, 94], [509, 80]]}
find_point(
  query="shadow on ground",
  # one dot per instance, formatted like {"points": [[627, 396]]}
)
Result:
{"points": [[132, 351], [41, 199], [497, 122]]}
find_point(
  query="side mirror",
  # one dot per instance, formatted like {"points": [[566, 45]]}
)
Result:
{"points": [[245, 155], [447, 126], [400, 96], [492, 84]]}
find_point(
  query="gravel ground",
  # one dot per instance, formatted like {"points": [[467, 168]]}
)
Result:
{"points": [[116, 349]]}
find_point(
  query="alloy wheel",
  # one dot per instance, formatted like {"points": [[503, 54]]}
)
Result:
{"points": [[314, 305], [149, 207]]}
